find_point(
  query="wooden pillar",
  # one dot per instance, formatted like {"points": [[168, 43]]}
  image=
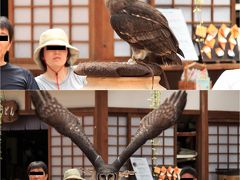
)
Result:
{"points": [[102, 38], [49, 152], [233, 12], [11, 19], [203, 137], [28, 101], [101, 123]]}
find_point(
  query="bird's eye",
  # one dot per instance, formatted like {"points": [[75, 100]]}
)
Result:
{"points": [[102, 177], [112, 177]]}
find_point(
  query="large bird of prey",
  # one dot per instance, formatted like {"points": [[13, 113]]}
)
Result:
{"points": [[146, 30], [50, 111]]}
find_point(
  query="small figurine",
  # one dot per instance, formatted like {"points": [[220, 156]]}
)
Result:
{"points": [[207, 50], [219, 52]]}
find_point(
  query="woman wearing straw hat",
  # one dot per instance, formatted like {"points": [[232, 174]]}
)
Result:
{"points": [[54, 56], [72, 174]]}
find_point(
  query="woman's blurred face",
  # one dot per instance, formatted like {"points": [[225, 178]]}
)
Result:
{"points": [[5, 43], [55, 56], [37, 174]]}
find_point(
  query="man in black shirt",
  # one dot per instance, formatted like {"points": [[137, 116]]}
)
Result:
{"points": [[12, 77]]}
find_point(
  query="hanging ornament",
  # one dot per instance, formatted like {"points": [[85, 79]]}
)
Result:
{"points": [[155, 103], [201, 31]]}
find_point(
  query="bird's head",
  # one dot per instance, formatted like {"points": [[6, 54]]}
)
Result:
{"points": [[116, 5], [107, 173], [107, 176]]}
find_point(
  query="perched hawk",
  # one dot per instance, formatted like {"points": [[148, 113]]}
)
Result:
{"points": [[50, 111], [146, 30]]}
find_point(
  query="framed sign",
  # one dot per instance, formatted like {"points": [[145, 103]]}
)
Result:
{"points": [[178, 25], [9, 111], [141, 168]]}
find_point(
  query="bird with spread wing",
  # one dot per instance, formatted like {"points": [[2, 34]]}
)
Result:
{"points": [[50, 111], [146, 30]]}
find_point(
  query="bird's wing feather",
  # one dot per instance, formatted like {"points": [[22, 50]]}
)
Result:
{"points": [[53, 113], [144, 27], [153, 124], [165, 116]]}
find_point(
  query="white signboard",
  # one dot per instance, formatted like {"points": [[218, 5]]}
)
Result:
{"points": [[141, 168], [179, 27]]}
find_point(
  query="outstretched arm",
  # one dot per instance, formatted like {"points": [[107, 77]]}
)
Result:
{"points": [[54, 114]]}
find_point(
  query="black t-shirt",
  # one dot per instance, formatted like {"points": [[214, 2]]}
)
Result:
{"points": [[16, 78]]}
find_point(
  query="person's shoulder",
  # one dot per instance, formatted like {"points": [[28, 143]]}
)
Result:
{"points": [[18, 68], [228, 80], [231, 72], [40, 77], [230, 75], [75, 79], [42, 82], [13, 66], [71, 73], [79, 77]]}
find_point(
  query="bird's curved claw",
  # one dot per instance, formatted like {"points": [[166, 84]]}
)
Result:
{"points": [[131, 61]]}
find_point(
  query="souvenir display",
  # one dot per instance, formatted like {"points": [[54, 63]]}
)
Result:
{"points": [[195, 77], [163, 173], [218, 44]]}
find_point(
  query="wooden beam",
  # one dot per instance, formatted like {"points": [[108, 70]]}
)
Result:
{"points": [[233, 12], [101, 123], [49, 152], [28, 100], [202, 137], [223, 117], [102, 35]]}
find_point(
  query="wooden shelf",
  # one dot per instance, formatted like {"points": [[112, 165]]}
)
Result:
{"points": [[186, 139], [212, 67], [193, 133]]}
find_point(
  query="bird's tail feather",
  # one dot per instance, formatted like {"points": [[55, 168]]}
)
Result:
{"points": [[172, 59], [179, 51]]}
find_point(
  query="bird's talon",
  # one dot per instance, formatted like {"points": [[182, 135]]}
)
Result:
{"points": [[131, 61]]}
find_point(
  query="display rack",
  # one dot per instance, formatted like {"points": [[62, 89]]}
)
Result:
{"points": [[186, 138]]}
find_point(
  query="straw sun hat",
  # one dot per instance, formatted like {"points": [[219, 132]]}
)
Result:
{"points": [[54, 37], [72, 174]]}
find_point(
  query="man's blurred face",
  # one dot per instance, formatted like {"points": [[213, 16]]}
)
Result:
{"points": [[37, 174], [5, 43]]}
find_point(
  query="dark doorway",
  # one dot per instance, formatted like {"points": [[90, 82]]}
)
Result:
{"points": [[4, 8], [19, 148], [238, 13]]}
